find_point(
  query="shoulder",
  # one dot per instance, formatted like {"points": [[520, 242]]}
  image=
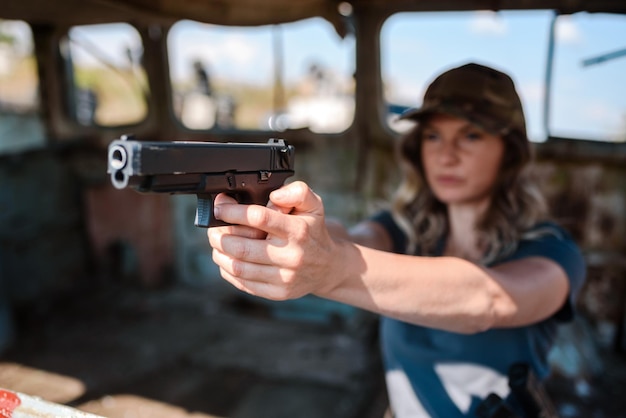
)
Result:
{"points": [[547, 229], [548, 239], [551, 241]]}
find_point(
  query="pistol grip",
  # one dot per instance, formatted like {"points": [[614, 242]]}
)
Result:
{"points": [[204, 212]]}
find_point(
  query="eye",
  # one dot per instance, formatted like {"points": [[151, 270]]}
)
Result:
{"points": [[474, 135], [430, 135]]}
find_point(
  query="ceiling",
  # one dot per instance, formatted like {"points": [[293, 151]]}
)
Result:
{"points": [[260, 12]]}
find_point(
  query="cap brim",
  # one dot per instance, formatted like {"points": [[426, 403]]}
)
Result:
{"points": [[484, 121], [414, 114]]}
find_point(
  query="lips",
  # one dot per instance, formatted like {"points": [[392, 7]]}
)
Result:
{"points": [[448, 180]]}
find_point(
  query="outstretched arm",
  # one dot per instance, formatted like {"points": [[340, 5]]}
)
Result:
{"points": [[299, 256]]}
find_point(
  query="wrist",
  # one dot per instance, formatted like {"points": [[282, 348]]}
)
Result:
{"points": [[345, 261]]}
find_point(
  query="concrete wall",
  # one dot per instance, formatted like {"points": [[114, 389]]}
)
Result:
{"points": [[42, 241]]}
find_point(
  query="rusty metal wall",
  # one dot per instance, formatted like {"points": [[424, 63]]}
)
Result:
{"points": [[130, 234], [589, 199]]}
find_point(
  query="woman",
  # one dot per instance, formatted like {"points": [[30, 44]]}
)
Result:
{"points": [[468, 275]]}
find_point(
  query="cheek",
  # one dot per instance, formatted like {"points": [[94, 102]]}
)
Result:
{"points": [[487, 170], [427, 166]]}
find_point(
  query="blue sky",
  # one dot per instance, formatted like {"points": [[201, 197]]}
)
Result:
{"points": [[588, 102]]}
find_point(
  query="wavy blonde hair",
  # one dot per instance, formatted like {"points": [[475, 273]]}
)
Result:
{"points": [[516, 205]]}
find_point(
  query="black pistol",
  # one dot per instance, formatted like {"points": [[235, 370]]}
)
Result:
{"points": [[249, 172], [530, 393], [493, 406]]}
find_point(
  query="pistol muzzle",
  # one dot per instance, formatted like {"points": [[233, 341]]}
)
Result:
{"points": [[118, 158]]}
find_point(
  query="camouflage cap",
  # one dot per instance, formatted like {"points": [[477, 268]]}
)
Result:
{"points": [[480, 94]]}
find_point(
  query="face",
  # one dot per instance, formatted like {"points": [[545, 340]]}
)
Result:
{"points": [[460, 160]]}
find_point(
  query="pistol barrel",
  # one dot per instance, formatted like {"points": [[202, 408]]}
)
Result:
{"points": [[132, 163]]}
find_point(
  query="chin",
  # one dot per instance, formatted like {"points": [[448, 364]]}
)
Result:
{"points": [[449, 197]]}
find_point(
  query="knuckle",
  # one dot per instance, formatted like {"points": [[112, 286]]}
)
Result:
{"points": [[281, 293], [289, 279], [293, 260], [237, 268], [257, 215], [298, 258], [301, 186], [291, 283], [241, 251], [301, 232]]}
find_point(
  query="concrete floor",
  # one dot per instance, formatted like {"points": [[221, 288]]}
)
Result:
{"points": [[120, 351], [183, 352]]}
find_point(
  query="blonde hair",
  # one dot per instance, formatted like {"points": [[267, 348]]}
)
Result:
{"points": [[516, 205]]}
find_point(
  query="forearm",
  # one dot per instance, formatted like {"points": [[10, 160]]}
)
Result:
{"points": [[443, 292], [300, 257]]}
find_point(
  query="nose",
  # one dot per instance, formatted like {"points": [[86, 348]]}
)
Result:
{"points": [[448, 152]]}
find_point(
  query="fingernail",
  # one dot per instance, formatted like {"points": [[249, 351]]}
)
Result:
{"points": [[217, 211]]}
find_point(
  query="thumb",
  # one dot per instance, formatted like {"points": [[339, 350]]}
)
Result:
{"points": [[298, 198]]}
